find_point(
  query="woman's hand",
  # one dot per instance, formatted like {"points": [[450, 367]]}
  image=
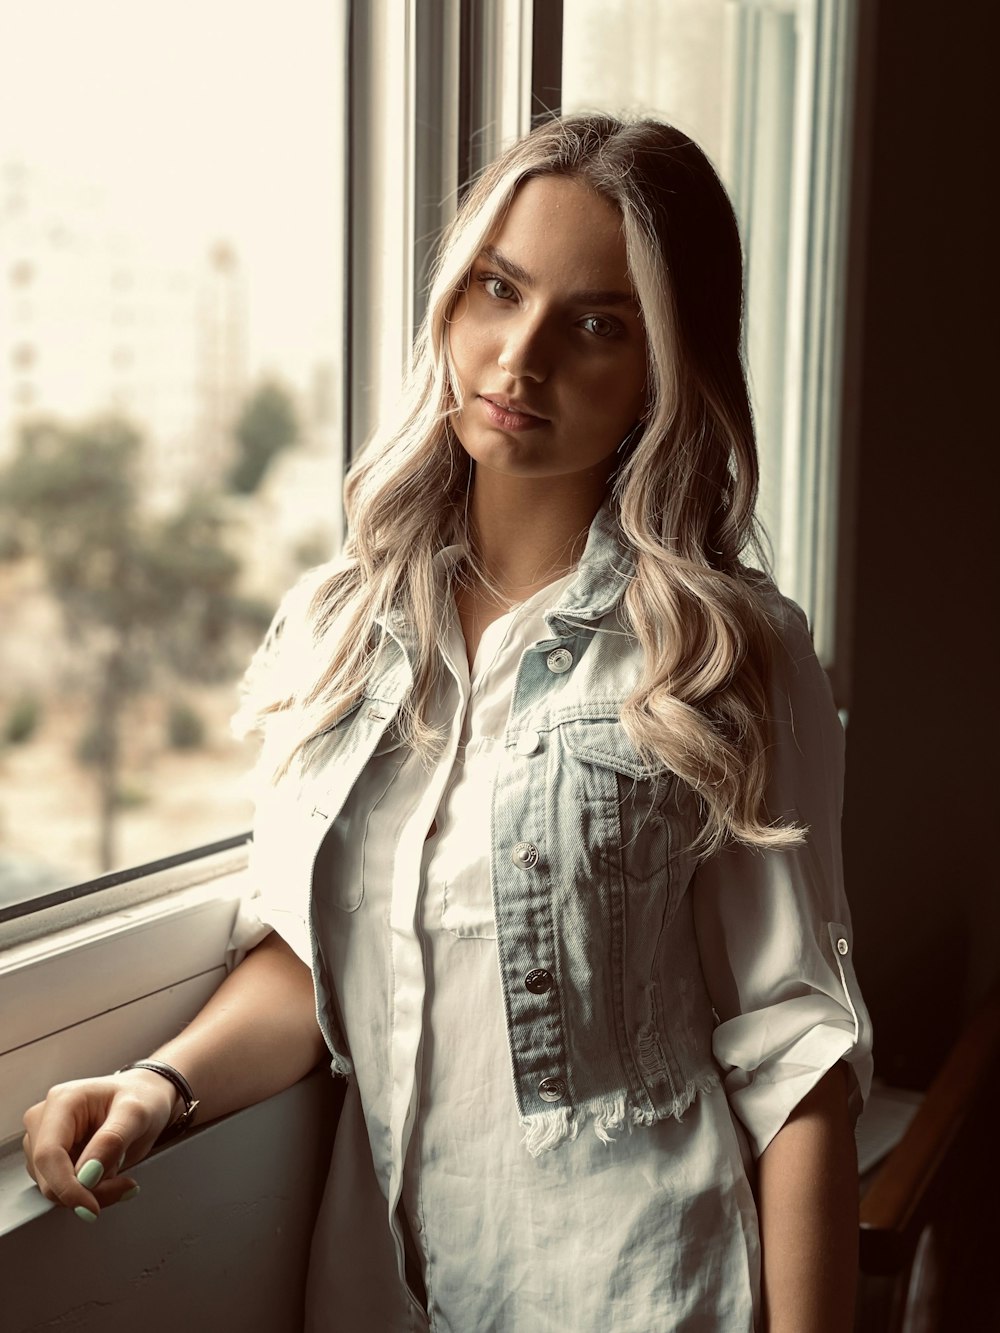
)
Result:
{"points": [[81, 1136], [256, 1035]]}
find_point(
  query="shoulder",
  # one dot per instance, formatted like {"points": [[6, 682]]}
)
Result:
{"points": [[786, 617], [287, 656], [791, 639]]}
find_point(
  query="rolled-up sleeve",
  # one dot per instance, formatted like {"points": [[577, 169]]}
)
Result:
{"points": [[271, 898], [279, 875], [773, 927]]}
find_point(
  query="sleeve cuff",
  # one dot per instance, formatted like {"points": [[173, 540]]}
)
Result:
{"points": [[763, 1099], [255, 920], [777, 1055]]}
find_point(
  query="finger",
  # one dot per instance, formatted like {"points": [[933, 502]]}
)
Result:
{"points": [[51, 1165], [65, 1175], [33, 1171], [119, 1189], [97, 1169], [129, 1132], [29, 1157]]}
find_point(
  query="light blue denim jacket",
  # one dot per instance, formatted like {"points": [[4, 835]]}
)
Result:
{"points": [[609, 1017]]}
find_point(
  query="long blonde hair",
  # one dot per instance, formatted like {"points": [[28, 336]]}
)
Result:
{"points": [[684, 493]]}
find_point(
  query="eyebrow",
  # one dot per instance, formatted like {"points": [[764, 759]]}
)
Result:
{"points": [[589, 296]]}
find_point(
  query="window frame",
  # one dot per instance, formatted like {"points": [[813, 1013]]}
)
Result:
{"points": [[807, 417], [103, 971], [471, 74]]}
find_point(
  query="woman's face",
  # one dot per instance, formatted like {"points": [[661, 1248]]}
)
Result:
{"points": [[547, 341]]}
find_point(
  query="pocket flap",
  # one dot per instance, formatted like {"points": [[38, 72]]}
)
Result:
{"points": [[603, 741]]}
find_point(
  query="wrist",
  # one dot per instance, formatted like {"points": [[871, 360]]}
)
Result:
{"points": [[181, 1086], [155, 1087]]}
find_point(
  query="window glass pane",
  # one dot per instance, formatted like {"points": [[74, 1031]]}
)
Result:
{"points": [[171, 261], [658, 58], [761, 86]]}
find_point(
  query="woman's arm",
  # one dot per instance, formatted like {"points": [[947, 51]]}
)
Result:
{"points": [[807, 1198], [257, 1035]]}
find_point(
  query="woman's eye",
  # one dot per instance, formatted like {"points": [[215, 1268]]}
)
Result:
{"points": [[599, 326], [496, 287]]}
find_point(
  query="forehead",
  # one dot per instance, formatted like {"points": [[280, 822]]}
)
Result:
{"points": [[559, 226]]}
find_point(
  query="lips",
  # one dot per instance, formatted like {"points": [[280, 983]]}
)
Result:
{"points": [[509, 414]]}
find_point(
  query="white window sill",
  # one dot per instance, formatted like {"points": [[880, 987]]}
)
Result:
{"points": [[96, 982], [224, 1220]]}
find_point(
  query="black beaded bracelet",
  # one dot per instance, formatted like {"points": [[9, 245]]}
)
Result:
{"points": [[175, 1077]]}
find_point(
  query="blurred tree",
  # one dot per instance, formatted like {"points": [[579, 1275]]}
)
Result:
{"points": [[140, 594], [266, 425]]}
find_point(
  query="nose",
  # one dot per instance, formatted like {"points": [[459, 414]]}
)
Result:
{"points": [[523, 353]]}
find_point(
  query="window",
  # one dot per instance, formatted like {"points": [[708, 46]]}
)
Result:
{"points": [[765, 87], [171, 438], [241, 239], [103, 970]]}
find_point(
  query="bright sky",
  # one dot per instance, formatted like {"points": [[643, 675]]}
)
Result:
{"points": [[199, 120]]}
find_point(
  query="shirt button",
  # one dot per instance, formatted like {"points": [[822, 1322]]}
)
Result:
{"points": [[538, 981], [528, 742], [559, 660], [842, 946], [552, 1089], [525, 855]]}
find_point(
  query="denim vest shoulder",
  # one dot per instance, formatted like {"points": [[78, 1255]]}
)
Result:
{"points": [[608, 1017]]}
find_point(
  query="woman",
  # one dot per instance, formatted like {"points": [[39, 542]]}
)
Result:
{"points": [[547, 855]]}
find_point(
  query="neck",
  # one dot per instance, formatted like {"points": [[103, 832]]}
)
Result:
{"points": [[529, 531]]}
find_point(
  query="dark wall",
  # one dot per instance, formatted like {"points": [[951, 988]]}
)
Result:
{"points": [[921, 800]]}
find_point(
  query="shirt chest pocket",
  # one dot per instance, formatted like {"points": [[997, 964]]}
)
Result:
{"points": [[627, 804], [458, 870], [359, 852]]}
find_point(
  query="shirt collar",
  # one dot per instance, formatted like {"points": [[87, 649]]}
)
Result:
{"points": [[595, 588]]}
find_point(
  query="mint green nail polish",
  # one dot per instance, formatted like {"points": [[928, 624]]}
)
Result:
{"points": [[90, 1173], [84, 1214], [129, 1194]]}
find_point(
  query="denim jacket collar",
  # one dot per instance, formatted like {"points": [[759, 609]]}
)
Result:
{"points": [[604, 570], [602, 574]]}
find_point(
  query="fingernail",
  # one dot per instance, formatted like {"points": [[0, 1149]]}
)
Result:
{"points": [[90, 1173], [84, 1214], [129, 1194], [121, 1160]]}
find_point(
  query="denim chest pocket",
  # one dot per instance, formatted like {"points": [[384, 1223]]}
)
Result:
{"points": [[637, 797]]}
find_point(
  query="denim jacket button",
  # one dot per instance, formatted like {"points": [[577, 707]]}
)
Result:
{"points": [[538, 981], [559, 660], [525, 855], [552, 1089], [842, 947], [528, 742]]}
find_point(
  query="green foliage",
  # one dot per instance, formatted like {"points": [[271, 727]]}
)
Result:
{"points": [[22, 720], [267, 424], [129, 796], [71, 499], [185, 727], [93, 746], [163, 589], [143, 594]]}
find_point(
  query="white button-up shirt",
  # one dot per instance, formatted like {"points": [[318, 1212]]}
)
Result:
{"points": [[435, 1216]]}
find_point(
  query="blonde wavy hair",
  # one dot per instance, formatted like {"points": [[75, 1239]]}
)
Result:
{"points": [[683, 492]]}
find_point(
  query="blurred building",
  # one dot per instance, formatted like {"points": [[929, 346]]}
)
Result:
{"points": [[92, 320]]}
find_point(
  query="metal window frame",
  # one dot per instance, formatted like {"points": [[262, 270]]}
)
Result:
{"points": [[439, 87], [799, 374], [433, 85], [413, 69]]}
